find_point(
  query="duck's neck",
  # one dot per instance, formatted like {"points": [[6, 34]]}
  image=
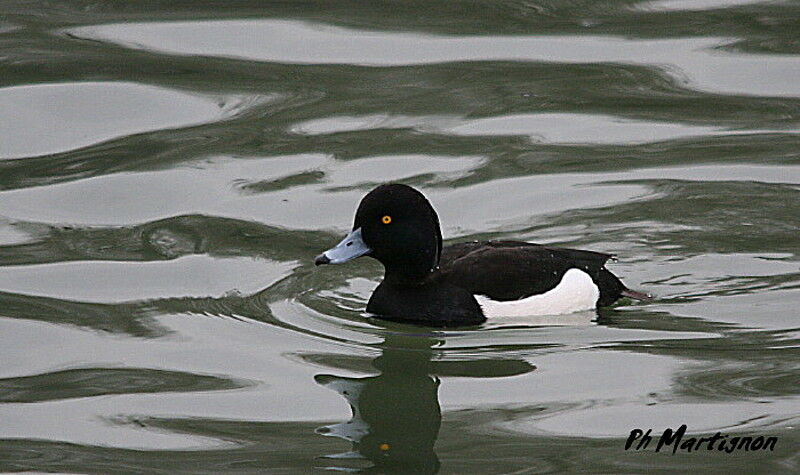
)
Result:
{"points": [[406, 275], [413, 264]]}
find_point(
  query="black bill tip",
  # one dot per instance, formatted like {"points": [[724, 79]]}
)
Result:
{"points": [[321, 259]]}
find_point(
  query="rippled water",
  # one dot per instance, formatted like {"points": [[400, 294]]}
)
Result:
{"points": [[169, 169]]}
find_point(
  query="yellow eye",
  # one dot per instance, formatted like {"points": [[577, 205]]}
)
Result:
{"points": [[386, 219], [384, 447]]}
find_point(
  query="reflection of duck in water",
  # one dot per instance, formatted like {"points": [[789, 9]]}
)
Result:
{"points": [[396, 414]]}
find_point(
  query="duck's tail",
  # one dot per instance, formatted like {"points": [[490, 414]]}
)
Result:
{"points": [[636, 295]]}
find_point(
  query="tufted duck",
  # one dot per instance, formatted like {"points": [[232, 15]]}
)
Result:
{"points": [[464, 283]]}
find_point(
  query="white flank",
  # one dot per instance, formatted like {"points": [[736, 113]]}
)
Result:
{"points": [[574, 293]]}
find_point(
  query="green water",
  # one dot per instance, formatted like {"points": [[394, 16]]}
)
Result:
{"points": [[169, 170]]}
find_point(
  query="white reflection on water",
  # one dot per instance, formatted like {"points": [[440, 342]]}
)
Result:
{"points": [[332, 125], [580, 128], [206, 345], [694, 5], [696, 59], [48, 118], [196, 275], [547, 127], [144, 196]]}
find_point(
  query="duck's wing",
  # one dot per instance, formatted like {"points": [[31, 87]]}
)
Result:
{"points": [[461, 249], [511, 270]]}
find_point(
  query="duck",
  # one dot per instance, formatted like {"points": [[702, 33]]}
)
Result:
{"points": [[463, 284]]}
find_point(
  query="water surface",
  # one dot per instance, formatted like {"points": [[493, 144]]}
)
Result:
{"points": [[169, 170]]}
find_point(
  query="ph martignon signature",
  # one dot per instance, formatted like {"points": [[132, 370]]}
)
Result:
{"points": [[719, 441]]}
